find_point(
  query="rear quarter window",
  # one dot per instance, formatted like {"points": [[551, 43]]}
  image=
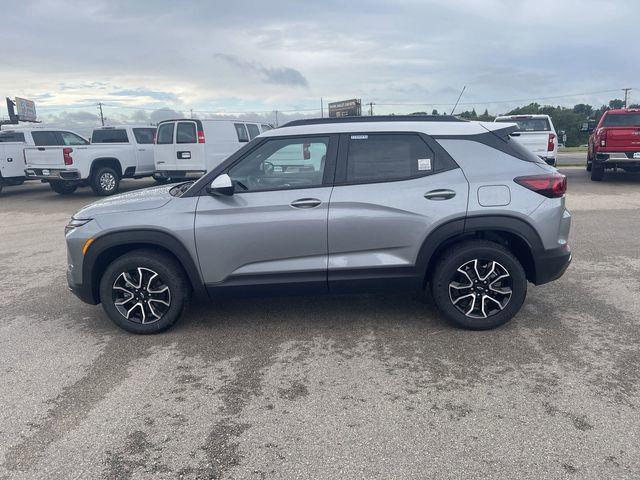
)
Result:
{"points": [[115, 135]]}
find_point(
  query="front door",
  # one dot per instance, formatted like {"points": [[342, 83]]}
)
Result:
{"points": [[272, 232]]}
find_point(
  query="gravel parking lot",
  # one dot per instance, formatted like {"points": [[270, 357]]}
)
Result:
{"points": [[324, 387]]}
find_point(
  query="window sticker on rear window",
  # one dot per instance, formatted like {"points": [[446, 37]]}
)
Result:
{"points": [[359, 137], [424, 164]]}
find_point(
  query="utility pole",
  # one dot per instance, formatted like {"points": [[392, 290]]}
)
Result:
{"points": [[626, 95], [101, 114], [371, 109], [276, 112], [191, 112]]}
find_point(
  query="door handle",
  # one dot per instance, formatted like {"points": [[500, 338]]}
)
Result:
{"points": [[440, 194], [306, 203], [41, 149], [142, 149]]}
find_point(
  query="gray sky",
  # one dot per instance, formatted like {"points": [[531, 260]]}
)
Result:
{"points": [[215, 56]]}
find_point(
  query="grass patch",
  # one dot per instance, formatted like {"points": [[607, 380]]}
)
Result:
{"points": [[572, 149]]}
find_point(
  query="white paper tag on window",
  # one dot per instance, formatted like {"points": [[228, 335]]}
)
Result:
{"points": [[424, 164], [359, 137]]}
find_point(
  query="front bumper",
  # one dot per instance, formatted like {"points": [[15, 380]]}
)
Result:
{"points": [[82, 291], [551, 264], [52, 174]]}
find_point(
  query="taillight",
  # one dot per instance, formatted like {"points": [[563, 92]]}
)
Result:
{"points": [[603, 138], [66, 153], [200, 136], [550, 145], [552, 185]]}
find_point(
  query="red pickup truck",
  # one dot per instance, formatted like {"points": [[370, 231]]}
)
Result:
{"points": [[615, 143]]}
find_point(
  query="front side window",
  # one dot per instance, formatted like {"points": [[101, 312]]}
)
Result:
{"points": [[6, 137], [111, 135], [241, 131], [144, 136], [387, 157], [165, 134], [254, 131], [45, 139], [69, 138], [186, 133], [282, 164]]}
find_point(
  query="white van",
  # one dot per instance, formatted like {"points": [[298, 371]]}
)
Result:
{"points": [[191, 148]]}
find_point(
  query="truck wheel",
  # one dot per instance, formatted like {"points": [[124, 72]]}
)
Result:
{"points": [[62, 187], [597, 172], [479, 285], [105, 181], [144, 291], [161, 180]]}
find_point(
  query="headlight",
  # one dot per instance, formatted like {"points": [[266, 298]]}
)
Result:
{"points": [[75, 223]]}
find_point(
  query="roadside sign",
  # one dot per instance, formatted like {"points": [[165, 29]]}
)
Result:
{"points": [[26, 110], [346, 108]]}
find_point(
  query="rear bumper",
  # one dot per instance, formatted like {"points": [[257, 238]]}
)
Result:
{"points": [[618, 158], [551, 264], [52, 174], [549, 159]]}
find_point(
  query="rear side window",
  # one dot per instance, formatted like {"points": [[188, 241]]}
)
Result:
{"points": [[115, 135], [254, 131], [69, 138], [6, 137], [241, 131], [186, 133], [528, 124], [266, 128], [386, 157], [165, 134], [144, 136], [622, 120], [46, 139]]}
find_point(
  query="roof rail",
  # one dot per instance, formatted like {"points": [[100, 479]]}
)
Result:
{"points": [[376, 118]]}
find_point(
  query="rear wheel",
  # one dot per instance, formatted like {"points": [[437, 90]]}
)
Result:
{"points": [[161, 180], [63, 188], [144, 291], [597, 172], [479, 285], [105, 181]]}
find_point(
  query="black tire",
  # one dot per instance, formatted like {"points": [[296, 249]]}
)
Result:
{"points": [[589, 165], [597, 172], [105, 181], [485, 252], [169, 274], [161, 180], [62, 187]]}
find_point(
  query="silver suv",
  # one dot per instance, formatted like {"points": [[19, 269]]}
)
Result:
{"points": [[334, 206]]}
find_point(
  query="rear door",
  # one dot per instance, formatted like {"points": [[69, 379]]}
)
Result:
{"points": [[190, 154], [392, 190], [273, 229], [164, 149], [144, 149]]}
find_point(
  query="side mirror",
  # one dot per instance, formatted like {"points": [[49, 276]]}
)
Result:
{"points": [[222, 185]]}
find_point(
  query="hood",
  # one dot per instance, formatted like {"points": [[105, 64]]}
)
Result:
{"points": [[145, 199]]}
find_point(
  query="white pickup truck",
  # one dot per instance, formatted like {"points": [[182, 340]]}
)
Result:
{"points": [[12, 143], [113, 153], [535, 133]]}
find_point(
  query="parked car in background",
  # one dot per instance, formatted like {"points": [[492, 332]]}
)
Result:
{"points": [[615, 143], [188, 148], [339, 205], [536, 133], [68, 161], [12, 143]]}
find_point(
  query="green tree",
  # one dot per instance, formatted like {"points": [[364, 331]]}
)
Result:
{"points": [[616, 103], [434, 112]]}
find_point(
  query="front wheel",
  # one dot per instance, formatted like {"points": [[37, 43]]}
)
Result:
{"points": [[161, 180], [144, 291], [63, 188], [105, 181], [479, 285]]}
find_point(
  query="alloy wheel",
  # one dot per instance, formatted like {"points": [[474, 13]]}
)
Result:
{"points": [[107, 181], [141, 296], [480, 288]]}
